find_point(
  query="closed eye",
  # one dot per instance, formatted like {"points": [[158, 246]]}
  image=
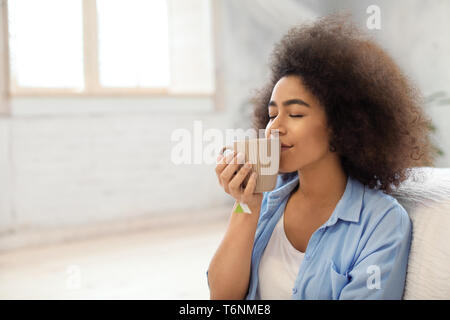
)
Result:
{"points": [[291, 115]]}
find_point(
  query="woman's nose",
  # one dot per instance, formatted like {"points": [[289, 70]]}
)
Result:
{"points": [[275, 130]]}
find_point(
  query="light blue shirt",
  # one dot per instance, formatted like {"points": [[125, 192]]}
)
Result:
{"points": [[360, 252]]}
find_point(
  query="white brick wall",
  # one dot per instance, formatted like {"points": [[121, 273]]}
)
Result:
{"points": [[74, 172], [85, 169]]}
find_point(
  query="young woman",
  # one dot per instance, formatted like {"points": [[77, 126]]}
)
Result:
{"points": [[352, 127]]}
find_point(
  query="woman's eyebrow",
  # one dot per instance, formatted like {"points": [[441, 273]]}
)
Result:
{"points": [[289, 102]]}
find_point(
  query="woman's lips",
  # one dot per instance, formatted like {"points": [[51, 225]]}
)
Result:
{"points": [[285, 148]]}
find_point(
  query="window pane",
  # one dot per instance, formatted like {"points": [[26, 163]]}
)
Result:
{"points": [[133, 43], [46, 43]]}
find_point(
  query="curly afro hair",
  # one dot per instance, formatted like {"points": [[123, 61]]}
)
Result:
{"points": [[379, 128]]}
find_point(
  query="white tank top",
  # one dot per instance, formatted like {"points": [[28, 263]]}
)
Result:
{"points": [[278, 267]]}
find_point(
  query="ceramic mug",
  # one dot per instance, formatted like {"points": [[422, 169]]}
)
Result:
{"points": [[264, 156]]}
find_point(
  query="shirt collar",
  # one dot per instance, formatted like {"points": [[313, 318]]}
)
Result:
{"points": [[348, 208]]}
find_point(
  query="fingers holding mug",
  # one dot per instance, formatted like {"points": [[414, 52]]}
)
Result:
{"points": [[235, 186], [223, 161], [248, 192], [230, 171]]}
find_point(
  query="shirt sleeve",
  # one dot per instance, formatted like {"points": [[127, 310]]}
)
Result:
{"points": [[380, 269]]}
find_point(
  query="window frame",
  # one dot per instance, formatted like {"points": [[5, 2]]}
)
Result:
{"points": [[91, 68]]}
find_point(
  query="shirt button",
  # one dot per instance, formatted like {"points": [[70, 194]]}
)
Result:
{"points": [[294, 291]]}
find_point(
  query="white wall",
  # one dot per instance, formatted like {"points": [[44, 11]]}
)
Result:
{"points": [[73, 170], [77, 162]]}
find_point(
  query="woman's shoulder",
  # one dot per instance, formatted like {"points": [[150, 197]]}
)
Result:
{"points": [[381, 209]]}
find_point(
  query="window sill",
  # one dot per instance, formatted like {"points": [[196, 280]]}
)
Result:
{"points": [[31, 105]]}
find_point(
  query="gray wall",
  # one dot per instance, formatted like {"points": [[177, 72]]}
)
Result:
{"points": [[416, 34]]}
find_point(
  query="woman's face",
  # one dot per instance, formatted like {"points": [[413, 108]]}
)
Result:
{"points": [[301, 122]]}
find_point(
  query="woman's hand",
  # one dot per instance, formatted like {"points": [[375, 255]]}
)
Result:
{"points": [[232, 183]]}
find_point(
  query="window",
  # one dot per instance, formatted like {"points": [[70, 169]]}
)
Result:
{"points": [[100, 47], [126, 43], [46, 49]]}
